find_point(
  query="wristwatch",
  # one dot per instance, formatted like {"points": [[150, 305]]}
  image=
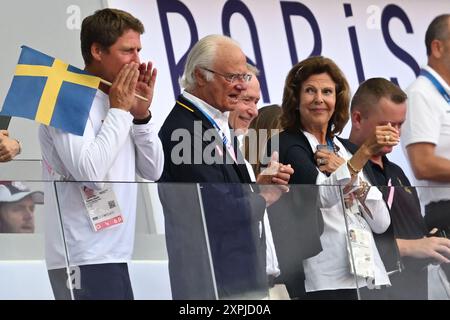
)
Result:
{"points": [[145, 120]]}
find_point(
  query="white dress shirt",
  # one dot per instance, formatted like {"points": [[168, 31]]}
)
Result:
{"points": [[428, 120], [330, 269]]}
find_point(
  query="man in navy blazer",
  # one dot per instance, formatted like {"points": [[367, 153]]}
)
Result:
{"points": [[214, 232]]}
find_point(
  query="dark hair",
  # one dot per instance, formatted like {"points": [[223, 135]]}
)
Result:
{"points": [[437, 30], [268, 118], [105, 27], [372, 90], [290, 119]]}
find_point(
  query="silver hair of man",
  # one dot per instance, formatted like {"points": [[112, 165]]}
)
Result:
{"points": [[202, 54], [252, 69]]}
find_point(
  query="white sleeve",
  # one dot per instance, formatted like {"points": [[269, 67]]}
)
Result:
{"points": [[89, 157], [149, 152], [330, 195], [329, 186], [381, 218]]}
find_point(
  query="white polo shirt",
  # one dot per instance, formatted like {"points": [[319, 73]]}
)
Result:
{"points": [[428, 120]]}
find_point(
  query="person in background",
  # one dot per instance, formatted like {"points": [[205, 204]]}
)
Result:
{"points": [[379, 102], [240, 119], [17, 204], [425, 138], [265, 125], [9, 147]]}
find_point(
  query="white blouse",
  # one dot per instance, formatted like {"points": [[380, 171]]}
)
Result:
{"points": [[330, 269]]}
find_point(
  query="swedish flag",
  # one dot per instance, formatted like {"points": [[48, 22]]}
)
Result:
{"points": [[51, 92]]}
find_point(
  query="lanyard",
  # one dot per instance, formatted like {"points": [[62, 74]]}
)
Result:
{"points": [[225, 140], [330, 144], [391, 189], [436, 83], [216, 126]]}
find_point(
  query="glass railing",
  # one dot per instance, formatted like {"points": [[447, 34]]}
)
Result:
{"points": [[23, 272], [414, 260], [215, 241]]}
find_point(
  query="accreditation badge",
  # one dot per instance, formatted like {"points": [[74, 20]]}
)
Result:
{"points": [[102, 207], [359, 245]]}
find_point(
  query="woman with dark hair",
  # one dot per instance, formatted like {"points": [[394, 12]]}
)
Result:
{"points": [[315, 109], [266, 124]]}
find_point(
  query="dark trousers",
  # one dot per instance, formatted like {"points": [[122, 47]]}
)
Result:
{"points": [[339, 294], [347, 294], [437, 215], [109, 281]]}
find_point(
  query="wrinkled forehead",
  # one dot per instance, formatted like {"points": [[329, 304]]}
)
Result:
{"points": [[319, 80], [253, 91], [230, 58]]}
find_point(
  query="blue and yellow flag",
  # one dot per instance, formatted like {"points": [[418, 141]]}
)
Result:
{"points": [[51, 92]]}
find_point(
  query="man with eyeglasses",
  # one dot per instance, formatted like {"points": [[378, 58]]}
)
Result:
{"points": [[232, 77], [223, 254]]}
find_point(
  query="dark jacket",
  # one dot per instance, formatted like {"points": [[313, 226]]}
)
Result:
{"points": [[232, 214]]}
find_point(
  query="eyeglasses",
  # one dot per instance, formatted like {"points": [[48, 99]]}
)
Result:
{"points": [[232, 77]]}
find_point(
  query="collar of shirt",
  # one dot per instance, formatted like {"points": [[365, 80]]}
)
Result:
{"points": [[221, 118], [438, 78], [240, 139], [313, 142]]}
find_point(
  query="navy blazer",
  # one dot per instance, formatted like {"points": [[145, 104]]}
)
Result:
{"points": [[232, 212]]}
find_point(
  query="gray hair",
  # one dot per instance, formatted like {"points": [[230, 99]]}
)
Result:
{"points": [[202, 54], [252, 69]]}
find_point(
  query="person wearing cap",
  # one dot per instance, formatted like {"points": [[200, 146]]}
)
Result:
{"points": [[17, 205]]}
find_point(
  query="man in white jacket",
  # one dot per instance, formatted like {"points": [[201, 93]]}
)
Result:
{"points": [[90, 219]]}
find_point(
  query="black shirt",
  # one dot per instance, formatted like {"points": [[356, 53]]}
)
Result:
{"points": [[405, 211], [406, 223]]}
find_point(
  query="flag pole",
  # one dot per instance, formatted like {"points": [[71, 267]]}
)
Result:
{"points": [[136, 95]]}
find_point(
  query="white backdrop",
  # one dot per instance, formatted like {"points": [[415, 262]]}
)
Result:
{"points": [[366, 38]]}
